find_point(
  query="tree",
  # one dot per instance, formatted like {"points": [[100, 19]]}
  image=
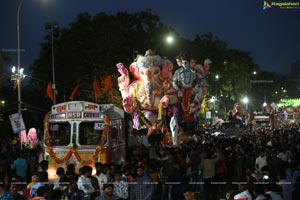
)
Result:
{"points": [[90, 48]]}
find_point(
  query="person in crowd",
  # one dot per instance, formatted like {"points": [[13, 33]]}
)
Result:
{"points": [[96, 186], [32, 160], [44, 165], [189, 193], [221, 169], [84, 182], [59, 172], [41, 194], [101, 177], [269, 193], [38, 180], [142, 188], [69, 188], [244, 193], [112, 169], [108, 193], [207, 165], [71, 171], [286, 184], [250, 179], [261, 161], [20, 165], [258, 192], [274, 163], [16, 188], [4, 195], [120, 186], [106, 171]]}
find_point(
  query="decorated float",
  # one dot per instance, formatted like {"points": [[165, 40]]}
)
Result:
{"points": [[159, 101]]}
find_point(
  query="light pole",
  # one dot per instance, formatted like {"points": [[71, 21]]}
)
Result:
{"points": [[53, 26], [213, 100], [19, 78]]}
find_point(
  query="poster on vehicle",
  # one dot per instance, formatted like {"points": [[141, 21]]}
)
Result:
{"points": [[17, 123]]}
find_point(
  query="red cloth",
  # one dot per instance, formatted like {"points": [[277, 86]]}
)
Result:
{"points": [[107, 83], [74, 92], [96, 89], [49, 92]]}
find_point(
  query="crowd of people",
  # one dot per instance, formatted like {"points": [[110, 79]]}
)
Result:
{"points": [[259, 165]]}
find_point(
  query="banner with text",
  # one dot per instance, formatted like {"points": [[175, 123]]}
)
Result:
{"points": [[17, 123]]}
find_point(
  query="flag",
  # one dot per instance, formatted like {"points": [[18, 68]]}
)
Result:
{"points": [[74, 92], [107, 83], [96, 89], [49, 92]]}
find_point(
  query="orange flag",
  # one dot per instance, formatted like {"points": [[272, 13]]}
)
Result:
{"points": [[74, 92], [49, 92], [107, 83], [96, 89]]}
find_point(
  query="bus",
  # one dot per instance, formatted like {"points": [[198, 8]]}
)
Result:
{"points": [[82, 133]]}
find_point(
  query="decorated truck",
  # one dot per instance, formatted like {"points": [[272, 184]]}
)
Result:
{"points": [[82, 133]]}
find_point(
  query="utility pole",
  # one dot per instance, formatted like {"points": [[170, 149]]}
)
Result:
{"points": [[53, 26]]}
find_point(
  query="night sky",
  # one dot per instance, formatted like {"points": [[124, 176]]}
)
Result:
{"points": [[271, 36]]}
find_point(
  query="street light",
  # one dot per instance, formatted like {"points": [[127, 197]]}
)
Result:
{"points": [[18, 76], [245, 101], [213, 100], [170, 39], [53, 26]]}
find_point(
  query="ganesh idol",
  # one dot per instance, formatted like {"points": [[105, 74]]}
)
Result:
{"points": [[151, 95]]}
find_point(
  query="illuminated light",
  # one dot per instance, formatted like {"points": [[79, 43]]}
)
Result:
{"points": [[52, 174], [213, 99], [170, 39], [265, 104], [13, 69], [245, 100]]}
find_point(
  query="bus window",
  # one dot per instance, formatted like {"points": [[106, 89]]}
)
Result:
{"points": [[60, 133], [116, 135], [90, 133], [113, 136]]}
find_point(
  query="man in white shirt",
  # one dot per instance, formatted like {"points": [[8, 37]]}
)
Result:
{"points": [[272, 194], [260, 161], [244, 192], [102, 178], [84, 182]]}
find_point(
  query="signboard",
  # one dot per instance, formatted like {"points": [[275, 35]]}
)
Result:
{"points": [[208, 115], [99, 126], [17, 123]]}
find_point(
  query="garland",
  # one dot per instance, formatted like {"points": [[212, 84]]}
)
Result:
{"points": [[73, 150]]}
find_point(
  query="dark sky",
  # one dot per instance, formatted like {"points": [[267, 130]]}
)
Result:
{"points": [[271, 36]]}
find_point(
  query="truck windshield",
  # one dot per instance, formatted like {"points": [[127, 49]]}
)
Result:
{"points": [[90, 132], [60, 133]]}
